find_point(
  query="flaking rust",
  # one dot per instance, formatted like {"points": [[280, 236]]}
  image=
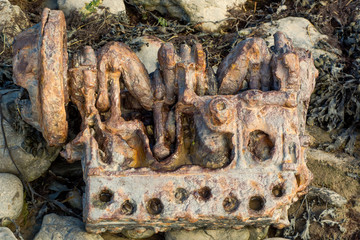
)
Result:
{"points": [[40, 66], [223, 150]]}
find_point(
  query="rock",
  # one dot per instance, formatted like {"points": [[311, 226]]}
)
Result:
{"points": [[276, 238], [328, 196], [338, 172], [225, 234], [109, 236], [6, 234], [12, 21], [30, 152], [300, 30], [11, 196], [64, 228], [113, 236], [67, 6], [138, 233], [148, 51], [210, 12], [75, 199], [249, 233]]}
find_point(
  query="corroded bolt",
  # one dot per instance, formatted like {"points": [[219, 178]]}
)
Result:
{"points": [[154, 206], [220, 111], [181, 194], [231, 203], [127, 208]]}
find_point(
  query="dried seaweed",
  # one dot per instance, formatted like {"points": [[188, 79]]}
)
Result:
{"points": [[6, 77], [335, 104]]}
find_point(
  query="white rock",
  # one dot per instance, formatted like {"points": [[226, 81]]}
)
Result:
{"points": [[210, 12], [6, 234], [223, 234], [149, 47], [11, 196], [22, 143], [12, 20], [67, 6], [64, 228], [300, 30]]}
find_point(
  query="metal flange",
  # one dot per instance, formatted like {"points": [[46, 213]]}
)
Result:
{"points": [[40, 66]]}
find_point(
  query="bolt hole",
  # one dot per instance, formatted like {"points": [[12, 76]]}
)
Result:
{"points": [[278, 191], [205, 193], [127, 208], [256, 203], [260, 145], [230, 204], [154, 206], [181, 194], [106, 196]]}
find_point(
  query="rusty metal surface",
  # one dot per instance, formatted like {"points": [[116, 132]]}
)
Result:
{"points": [[223, 150], [40, 66]]}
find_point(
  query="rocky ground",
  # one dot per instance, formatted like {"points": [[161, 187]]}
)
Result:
{"points": [[50, 206]]}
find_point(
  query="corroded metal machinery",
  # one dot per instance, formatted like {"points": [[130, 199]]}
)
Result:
{"points": [[223, 150]]}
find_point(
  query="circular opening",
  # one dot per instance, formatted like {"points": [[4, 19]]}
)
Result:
{"points": [[127, 208], [205, 193], [106, 196], [256, 203], [260, 145], [278, 191], [181, 194], [154, 206], [230, 204]]}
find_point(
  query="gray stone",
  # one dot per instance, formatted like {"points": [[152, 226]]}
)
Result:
{"points": [[11, 196], [111, 236], [138, 233], [12, 21], [300, 30], [147, 53], [67, 6], [258, 233], [276, 238], [6, 234], [224, 234], [338, 172], [210, 13], [75, 199], [30, 151], [247, 233], [64, 228]]}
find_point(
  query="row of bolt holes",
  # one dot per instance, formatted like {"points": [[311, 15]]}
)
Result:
{"points": [[154, 206]]}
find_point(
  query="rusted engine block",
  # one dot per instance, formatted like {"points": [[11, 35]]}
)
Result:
{"points": [[223, 150]]}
